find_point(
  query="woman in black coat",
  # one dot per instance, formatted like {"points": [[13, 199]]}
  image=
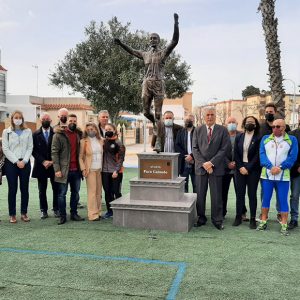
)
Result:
{"points": [[246, 154]]}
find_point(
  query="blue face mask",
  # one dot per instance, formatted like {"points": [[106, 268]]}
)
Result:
{"points": [[168, 122], [231, 127]]}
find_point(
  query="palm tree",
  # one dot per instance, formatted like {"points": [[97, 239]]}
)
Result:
{"points": [[269, 24]]}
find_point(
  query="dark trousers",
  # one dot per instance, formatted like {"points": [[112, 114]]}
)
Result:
{"points": [[12, 174], [42, 184], [215, 187], [112, 188], [251, 182], [189, 171], [225, 189], [74, 179]]}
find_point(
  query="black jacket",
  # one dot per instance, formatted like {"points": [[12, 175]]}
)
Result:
{"points": [[294, 172], [253, 153], [42, 151], [181, 147], [162, 133]]}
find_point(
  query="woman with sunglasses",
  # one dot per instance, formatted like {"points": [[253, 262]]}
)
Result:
{"points": [[246, 154]]}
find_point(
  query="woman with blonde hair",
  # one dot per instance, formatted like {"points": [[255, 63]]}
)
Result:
{"points": [[90, 160], [17, 147]]}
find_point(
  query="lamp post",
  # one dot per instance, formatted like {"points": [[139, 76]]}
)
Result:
{"points": [[37, 79], [294, 101]]}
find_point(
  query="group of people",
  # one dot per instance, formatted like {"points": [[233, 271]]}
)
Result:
{"points": [[209, 155], [214, 155], [64, 155]]}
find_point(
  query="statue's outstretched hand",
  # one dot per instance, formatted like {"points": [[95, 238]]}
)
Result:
{"points": [[117, 41], [176, 17]]}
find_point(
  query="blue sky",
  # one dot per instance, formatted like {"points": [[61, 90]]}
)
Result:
{"points": [[222, 40]]}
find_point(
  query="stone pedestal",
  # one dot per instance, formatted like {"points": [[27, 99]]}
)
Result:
{"points": [[157, 199]]}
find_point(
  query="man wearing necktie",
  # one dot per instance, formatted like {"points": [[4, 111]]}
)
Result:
{"points": [[210, 142], [43, 165]]}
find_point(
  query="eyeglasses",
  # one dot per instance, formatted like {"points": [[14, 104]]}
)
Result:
{"points": [[276, 126]]}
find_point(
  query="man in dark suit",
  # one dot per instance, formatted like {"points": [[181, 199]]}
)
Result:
{"points": [[183, 146], [210, 142], [167, 130], [43, 165]]}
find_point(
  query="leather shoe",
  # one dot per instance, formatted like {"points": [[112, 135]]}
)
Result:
{"points": [[252, 224], [219, 226], [25, 218], [76, 218], [12, 219], [293, 224], [237, 221], [62, 220], [56, 213], [199, 224], [44, 215]]}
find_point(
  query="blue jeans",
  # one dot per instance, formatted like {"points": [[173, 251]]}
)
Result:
{"points": [[189, 170], [12, 174], [294, 198], [74, 179]]}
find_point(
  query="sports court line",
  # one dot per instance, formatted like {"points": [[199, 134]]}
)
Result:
{"points": [[181, 266]]}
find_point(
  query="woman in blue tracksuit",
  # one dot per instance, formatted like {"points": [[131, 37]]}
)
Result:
{"points": [[278, 152]]}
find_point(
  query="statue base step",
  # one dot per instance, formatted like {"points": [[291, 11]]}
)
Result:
{"points": [[176, 216]]}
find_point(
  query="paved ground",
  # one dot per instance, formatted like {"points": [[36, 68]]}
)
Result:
{"points": [[131, 159]]}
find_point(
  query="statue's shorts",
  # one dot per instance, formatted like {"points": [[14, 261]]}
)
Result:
{"points": [[153, 89]]}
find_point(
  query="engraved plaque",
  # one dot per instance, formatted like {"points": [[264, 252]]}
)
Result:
{"points": [[156, 168]]}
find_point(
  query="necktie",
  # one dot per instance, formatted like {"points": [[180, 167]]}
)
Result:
{"points": [[46, 134], [209, 134]]}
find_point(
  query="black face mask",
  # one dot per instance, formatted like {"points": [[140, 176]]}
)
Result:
{"points": [[46, 124], [269, 117], [63, 119], [109, 134], [72, 126], [188, 124], [250, 127]]}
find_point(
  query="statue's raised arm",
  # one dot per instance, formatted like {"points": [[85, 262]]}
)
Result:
{"points": [[131, 51], [175, 37]]}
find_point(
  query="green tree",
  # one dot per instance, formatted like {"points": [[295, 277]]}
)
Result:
{"points": [[107, 76], [250, 90], [269, 24]]}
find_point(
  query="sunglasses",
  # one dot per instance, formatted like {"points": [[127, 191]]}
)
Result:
{"points": [[276, 126]]}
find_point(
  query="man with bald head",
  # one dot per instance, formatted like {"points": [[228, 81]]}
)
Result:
{"points": [[278, 153], [43, 165], [210, 142]]}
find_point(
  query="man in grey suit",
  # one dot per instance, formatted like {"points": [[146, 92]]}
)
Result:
{"points": [[210, 142]]}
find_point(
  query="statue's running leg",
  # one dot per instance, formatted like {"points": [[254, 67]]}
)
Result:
{"points": [[158, 108], [147, 111]]}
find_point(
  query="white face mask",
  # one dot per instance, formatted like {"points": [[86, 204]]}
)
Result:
{"points": [[18, 122], [168, 122]]}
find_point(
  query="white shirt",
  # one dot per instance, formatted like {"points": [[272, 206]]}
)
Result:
{"points": [[97, 154], [169, 140], [189, 144], [247, 141]]}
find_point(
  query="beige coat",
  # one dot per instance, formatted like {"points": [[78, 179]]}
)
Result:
{"points": [[86, 154]]}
